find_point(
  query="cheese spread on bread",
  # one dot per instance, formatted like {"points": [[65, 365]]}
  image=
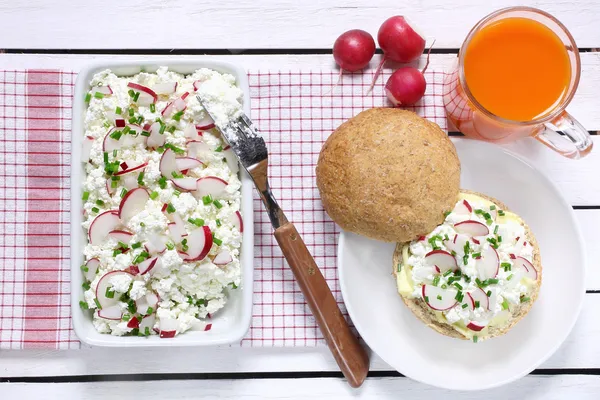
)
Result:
{"points": [[473, 270]]}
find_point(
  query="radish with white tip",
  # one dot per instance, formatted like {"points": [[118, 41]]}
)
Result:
{"points": [[478, 296], [457, 243], [102, 225], [86, 148], [187, 163], [210, 185], [463, 208], [439, 299], [475, 327], [175, 232], [136, 168], [187, 184], [237, 221], [489, 263], [530, 271], [113, 313], [146, 95], [156, 139], [443, 260], [147, 322], [104, 284], [147, 265], [190, 132], [231, 159], [133, 203], [92, 268], [223, 258], [109, 144], [199, 242], [121, 236], [168, 164], [150, 300], [105, 90], [205, 123], [156, 244], [165, 87], [198, 149], [472, 228]]}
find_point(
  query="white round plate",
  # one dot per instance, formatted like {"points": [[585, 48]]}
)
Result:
{"points": [[415, 350]]}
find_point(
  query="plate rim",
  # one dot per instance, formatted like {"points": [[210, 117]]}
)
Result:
{"points": [[552, 350]]}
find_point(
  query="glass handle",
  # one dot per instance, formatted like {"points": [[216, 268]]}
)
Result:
{"points": [[565, 135]]}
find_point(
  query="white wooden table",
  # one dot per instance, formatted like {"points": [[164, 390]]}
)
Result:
{"points": [[281, 35]]}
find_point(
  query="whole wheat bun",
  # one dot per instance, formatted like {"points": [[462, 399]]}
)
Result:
{"points": [[388, 174], [422, 311]]}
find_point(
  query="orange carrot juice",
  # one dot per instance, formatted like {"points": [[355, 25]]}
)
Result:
{"points": [[517, 68]]}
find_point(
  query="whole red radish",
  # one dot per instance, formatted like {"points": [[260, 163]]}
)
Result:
{"points": [[399, 41], [407, 85], [353, 50]]}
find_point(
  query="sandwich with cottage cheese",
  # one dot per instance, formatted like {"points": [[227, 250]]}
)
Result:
{"points": [[475, 275], [161, 202]]}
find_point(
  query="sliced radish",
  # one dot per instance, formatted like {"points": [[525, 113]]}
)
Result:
{"points": [[190, 132], [147, 265], [109, 144], [156, 244], [167, 327], [132, 169], [113, 312], [92, 268], [165, 88], [457, 244], [197, 85], [223, 258], [530, 270], [463, 208], [104, 284], [133, 203], [121, 236], [105, 90], [168, 110], [146, 97], [133, 323], [86, 148], [231, 159], [489, 263], [102, 225], [439, 299], [147, 322], [109, 189], [134, 136], [185, 163], [198, 149], [132, 269], [443, 260], [520, 244], [199, 243], [152, 299], [130, 181], [168, 164], [469, 301], [205, 123], [186, 184], [180, 103], [156, 139], [210, 185], [149, 300], [237, 221], [475, 327], [175, 232], [472, 228], [480, 296]]}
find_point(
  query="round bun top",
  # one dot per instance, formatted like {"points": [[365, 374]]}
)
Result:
{"points": [[388, 174]]}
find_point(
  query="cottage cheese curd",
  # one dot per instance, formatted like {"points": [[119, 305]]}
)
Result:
{"points": [[150, 149], [472, 269]]}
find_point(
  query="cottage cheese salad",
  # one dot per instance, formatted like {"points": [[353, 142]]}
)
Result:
{"points": [[161, 202], [474, 271]]}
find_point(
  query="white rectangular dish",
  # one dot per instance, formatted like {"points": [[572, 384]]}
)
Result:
{"points": [[231, 323]]}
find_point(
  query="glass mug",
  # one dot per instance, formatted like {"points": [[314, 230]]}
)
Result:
{"points": [[555, 128]]}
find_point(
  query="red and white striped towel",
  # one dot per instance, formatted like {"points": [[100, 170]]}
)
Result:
{"points": [[295, 111]]}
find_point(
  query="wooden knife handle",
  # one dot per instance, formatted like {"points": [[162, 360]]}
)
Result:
{"points": [[350, 356]]}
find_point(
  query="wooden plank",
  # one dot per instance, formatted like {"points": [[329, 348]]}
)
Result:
{"points": [[580, 350], [248, 24], [555, 387]]}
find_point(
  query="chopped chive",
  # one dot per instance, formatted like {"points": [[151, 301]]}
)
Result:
{"points": [[150, 310], [136, 245], [140, 120], [499, 239], [114, 184], [109, 293], [126, 130], [146, 134], [447, 272], [458, 286], [504, 304], [170, 208], [217, 204], [446, 238], [106, 124], [457, 273], [162, 182], [436, 280], [118, 110], [142, 224], [152, 108], [501, 213], [131, 306], [160, 121], [95, 209], [153, 195], [218, 242], [123, 192], [84, 268], [84, 305], [176, 193], [219, 149], [207, 199], [474, 338], [508, 278], [136, 96], [162, 129], [98, 306], [88, 97], [459, 296], [477, 304], [466, 259], [505, 265], [476, 255], [489, 293], [218, 222], [184, 247], [479, 283], [116, 135], [85, 196], [126, 317], [114, 153], [147, 331], [170, 246], [496, 229], [492, 281], [453, 253], [122, 245], [85, 285], [132, 120], [439, 297], [525, 299], [140, 178], [99, 202], [447, 213], [196, 221], [465, 305], [174, 148], [492, 207], [444, 286], [177, 115], [426, 298], [99, 95], [105, 157], [116, 252], [131, 92], [171, 129]]}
